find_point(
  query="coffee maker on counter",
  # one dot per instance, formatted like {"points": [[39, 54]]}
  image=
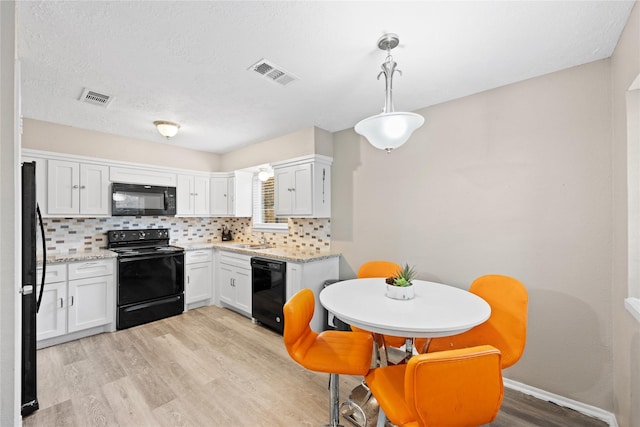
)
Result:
{"points": [[226, 234]]}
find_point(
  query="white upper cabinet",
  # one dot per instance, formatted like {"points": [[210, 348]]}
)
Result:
{"points": [[69, 185], [303, 187], [231, 194], [75, 188], [143, 176], [192, 193], [220, 196]]}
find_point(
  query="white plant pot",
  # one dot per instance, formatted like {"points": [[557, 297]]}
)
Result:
{"points": [[400, 292]]}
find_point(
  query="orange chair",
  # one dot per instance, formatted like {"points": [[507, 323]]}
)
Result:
{"points": [[378, 269], [449, 388], [332, 352], [506, 328], [381, 269]]}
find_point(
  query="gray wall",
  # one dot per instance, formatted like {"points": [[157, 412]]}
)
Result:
{"points": [[10, 310], [513, 181], [625, 67]]}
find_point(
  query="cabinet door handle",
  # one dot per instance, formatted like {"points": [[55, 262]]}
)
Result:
{"points": [[61, 303], [224, 195], [83, 187], [188, 280], [75, 186], [71, 304]]}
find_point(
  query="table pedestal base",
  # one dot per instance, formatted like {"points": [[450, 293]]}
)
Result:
{"points": [[361, 396]]}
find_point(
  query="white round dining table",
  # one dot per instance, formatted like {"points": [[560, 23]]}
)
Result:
{"points": [[437, 310]]}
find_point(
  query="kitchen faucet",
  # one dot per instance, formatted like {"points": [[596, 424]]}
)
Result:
{"points": [[263, 239]]}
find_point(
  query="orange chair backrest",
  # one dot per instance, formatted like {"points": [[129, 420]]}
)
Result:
{"points": [[372, 269], [506, 328], [378, 269], [298, 335], [455, 388]]}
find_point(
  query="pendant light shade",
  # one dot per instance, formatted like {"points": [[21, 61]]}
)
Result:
{"points": [[389, 130]]}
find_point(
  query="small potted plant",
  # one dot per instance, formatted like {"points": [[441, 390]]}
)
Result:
{"points": [[400, 285]]}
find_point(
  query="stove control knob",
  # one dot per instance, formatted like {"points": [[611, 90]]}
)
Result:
{"points": [[122, 235], [142, 234]]}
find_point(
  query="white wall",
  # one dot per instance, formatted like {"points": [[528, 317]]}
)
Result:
{"points": [[513, 181]]}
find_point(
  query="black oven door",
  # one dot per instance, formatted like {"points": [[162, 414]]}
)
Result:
{"points": [[150, 277], [142, 200]]}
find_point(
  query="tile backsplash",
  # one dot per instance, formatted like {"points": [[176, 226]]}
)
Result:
{"points": [[69, 235]]}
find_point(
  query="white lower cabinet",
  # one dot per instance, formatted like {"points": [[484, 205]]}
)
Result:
{"points": [[198, 281], [313, 275], [234, 281], [51, 319], [77, 297], [90, 303]]}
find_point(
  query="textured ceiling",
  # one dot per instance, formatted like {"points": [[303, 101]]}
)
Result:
{"points": [[187, 61]]}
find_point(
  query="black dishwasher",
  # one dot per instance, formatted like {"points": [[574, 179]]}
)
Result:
{"points": [[268, 283]]}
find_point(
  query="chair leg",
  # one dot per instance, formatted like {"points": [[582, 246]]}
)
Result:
{"points": [[334, 400]]}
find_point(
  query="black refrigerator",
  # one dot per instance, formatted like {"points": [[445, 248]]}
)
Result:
{"points": [[30, 302]]}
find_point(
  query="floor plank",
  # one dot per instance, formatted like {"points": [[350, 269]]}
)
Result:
{"points": [[209, 367]]}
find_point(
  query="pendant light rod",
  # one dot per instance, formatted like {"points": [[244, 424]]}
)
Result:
{"points": [[388, 42]]}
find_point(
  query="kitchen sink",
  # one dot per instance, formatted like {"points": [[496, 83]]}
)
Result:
{"points": [[250, 246]]}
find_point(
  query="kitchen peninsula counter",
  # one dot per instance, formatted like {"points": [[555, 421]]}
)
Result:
{"points": [[279, 252]]}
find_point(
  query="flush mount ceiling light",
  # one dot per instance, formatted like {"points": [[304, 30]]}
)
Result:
{"points": [[166, 128], [389, 130]]}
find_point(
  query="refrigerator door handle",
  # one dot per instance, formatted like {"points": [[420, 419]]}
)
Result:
{"points": [[44, 258]]}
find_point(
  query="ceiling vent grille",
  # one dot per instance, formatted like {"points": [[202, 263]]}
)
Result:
{"points": [[95, 98], [269, 71]]}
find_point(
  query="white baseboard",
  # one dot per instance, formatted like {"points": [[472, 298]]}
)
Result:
{"points": [[583, 408]]}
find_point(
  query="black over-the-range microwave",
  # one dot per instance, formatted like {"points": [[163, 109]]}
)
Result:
{"points": [[141, 200]]}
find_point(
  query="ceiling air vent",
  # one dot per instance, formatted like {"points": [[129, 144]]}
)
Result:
{"points": [[270, 71], [95, 98]]}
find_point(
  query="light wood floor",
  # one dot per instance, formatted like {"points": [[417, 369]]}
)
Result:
{"points": [[208, 367]]}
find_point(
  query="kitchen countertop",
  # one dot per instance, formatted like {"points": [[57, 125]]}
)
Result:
{"points": [[281, 253], [60, 257]]}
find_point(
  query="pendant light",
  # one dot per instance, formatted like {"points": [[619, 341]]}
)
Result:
{"points": [[389, 129]]}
